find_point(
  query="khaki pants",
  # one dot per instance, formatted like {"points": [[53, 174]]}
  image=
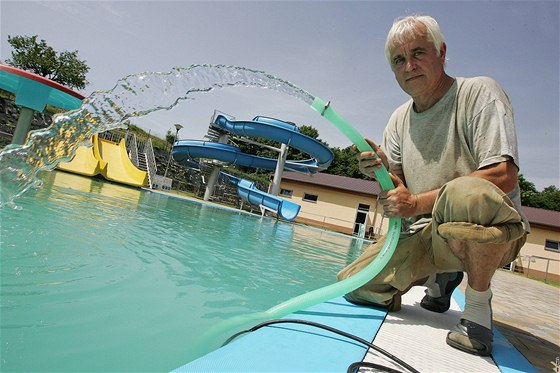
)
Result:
{"points": [[470, 202]]}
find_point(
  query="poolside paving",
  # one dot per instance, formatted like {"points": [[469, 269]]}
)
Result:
{"points": [[527, 313]]}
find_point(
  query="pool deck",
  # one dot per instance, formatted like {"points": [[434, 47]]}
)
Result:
{"points": [[413, 334]]}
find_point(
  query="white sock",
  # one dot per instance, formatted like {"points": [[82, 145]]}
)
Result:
{"points": [[478, 307]]}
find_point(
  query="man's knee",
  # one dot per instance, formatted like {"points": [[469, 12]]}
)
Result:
{"points": [[471, 209], [470, 199]]}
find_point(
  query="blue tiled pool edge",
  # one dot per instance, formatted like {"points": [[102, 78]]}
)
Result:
{"points": [[298, 348]]}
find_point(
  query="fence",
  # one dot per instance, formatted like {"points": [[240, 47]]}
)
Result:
{"points": [[339, 225], [532, 259]]}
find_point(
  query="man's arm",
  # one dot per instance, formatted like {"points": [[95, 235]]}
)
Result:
{"points": [[400, 203], [503, 175]]}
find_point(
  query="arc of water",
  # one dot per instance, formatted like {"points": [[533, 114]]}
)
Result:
{"points": [[131, 98]]}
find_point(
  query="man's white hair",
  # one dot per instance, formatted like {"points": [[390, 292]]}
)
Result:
{"points": [[407, 28]]}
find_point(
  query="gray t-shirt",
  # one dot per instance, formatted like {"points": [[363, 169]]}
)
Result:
{"points": [[470, 127]]}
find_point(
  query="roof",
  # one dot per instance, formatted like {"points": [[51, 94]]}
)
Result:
{"points": [[548, 218], [335, 181], [535, 215]]}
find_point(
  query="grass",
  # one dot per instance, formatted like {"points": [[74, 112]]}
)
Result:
{"points": [[7, 95], [156, 141], [182, 193], [549, 281]]}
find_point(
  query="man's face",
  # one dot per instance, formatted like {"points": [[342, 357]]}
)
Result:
{"points": [[417, 67]]}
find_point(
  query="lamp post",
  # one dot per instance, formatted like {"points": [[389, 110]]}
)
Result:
{"points": [[177, 127]]}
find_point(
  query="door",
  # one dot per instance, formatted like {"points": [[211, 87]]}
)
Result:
{"points": [[361, 218]]}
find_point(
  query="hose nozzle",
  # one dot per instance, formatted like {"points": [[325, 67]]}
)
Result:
{"points": [[325, 108]]}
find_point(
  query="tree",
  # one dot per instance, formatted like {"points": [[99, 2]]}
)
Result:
{"points": [[310, 131], [39, 58], [170, 137], [548, 199], [345, 164], [527, 188]]}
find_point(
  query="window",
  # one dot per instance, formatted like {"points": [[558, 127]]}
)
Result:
{"points": [[551, 246], [310, 197], [286, 193]]}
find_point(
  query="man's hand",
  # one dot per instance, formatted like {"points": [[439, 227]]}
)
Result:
{"points": [[369, 162], [398, 202]]}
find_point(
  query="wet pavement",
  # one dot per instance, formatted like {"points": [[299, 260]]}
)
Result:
{"points": [[527, 313]]}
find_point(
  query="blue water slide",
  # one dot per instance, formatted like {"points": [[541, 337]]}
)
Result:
{"points": [[283, 132], [247, 190], [184, 151], [269, 128]]}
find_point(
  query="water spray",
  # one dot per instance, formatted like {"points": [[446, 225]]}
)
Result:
{"points": [[140, 94]]}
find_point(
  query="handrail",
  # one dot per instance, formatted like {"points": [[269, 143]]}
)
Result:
{"points": [[529, 259], [151, 164], [132, 148]]}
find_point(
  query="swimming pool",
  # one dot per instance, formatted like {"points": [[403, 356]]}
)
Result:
{"points": [[101, 277]]}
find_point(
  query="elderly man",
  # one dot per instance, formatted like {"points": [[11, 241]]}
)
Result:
{"points": [[452, 154]]}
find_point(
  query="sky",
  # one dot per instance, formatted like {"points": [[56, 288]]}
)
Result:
{"points": [[331, 49]]}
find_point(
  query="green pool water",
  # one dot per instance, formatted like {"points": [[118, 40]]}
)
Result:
{"points": [[97, 276]]}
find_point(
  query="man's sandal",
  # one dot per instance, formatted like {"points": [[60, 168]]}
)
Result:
{"points": [[471, 337]]}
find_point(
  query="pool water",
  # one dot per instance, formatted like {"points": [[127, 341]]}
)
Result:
{"points": [[97, 276]]}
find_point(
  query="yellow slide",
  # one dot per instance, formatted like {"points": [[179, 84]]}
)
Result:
{"points": [[107, 158], [119, 167], [84, 162]]}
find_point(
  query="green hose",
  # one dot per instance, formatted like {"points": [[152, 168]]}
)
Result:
{"points": [[328, 112], [338, 288]]}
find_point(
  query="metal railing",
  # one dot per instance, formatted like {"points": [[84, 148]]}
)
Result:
{"points": [[326, 222], [532, 259], [151, 166], [132, 147], [114, 135]]}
